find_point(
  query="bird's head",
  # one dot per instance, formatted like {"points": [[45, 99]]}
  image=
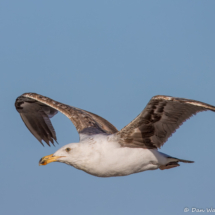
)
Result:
{"points": [[64, 155]]}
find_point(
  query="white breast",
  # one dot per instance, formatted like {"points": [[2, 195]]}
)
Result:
{"points": [[104, 157]]}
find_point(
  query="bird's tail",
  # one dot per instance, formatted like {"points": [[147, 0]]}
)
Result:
{"points": [[173, 162], [184, 161]]}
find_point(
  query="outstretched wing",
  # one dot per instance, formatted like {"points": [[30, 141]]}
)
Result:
{"points": [[36, 111], [160, 118]]}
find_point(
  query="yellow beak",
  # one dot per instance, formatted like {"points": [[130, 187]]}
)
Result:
{"points": [[48, 159]]}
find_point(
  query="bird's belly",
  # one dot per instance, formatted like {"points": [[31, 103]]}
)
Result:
{"points": [[122, 161]]}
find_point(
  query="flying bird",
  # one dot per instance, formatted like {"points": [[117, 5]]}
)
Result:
{"points": [[104, 151]]}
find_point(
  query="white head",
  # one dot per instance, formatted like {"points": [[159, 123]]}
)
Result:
{"points": [[68, 154]]}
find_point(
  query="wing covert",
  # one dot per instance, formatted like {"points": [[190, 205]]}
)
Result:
{"points": [[36, 111], [160, 118]]}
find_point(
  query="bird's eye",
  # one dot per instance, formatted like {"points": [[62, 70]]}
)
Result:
{"points": [[68, 149]]}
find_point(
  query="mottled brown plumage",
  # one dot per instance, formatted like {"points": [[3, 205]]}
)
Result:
{"points": [[151, 129], [35, 111], [160, 118]]}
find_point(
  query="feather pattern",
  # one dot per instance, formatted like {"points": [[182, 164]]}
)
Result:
{"points": [[36, 111], [160, 118]]}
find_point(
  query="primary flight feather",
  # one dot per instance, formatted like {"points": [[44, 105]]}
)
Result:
{"points": [[103, 150]]}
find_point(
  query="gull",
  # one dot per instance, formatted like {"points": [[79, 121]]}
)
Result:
{"points": [[104, 151]]}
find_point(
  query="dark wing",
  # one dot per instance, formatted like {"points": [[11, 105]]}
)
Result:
{"points": [[160, 118], [36, 111]]}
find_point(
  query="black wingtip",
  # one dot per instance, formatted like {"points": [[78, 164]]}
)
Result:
{"points": [[41, 143], [56, 142], [47, 142], [51, 140]]}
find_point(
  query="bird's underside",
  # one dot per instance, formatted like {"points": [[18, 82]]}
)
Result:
{"points": [[150, 129]]}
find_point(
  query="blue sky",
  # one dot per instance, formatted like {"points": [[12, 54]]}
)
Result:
{"points": [[110, 58]]}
